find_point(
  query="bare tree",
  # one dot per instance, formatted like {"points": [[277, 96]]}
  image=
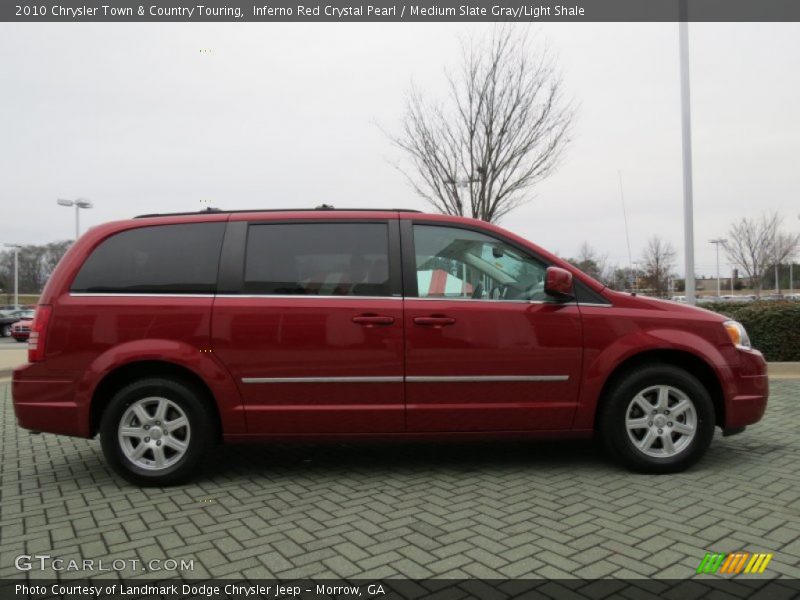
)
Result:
{"points": [[784, 249], [757, 244], [594, 264], [502, 130], [35, 263], [658, 264]]}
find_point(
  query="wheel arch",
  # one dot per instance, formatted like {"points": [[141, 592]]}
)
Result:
{"points": [[122, 375], [682, 359]]}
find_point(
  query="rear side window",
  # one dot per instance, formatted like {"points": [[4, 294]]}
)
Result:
{"points": [[174, 259], [318, 259]]}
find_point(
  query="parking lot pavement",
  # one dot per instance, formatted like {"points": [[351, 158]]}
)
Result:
{"points": [[12, 353], [502, 510]]}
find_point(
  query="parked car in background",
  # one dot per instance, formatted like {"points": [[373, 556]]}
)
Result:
{"points": [[9, 308], [21, 330], [793, 297], [680, 299], [6, 321], [169, 333], [773, 297]]}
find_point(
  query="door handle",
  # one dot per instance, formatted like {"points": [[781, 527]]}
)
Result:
{"points": [[436, 321], [372, 320]]}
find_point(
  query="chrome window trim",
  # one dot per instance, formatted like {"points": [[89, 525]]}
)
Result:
{"points": [[494, 300], [309, 296], [139, 295], [602, 305], [314, 296], [409, 379]]}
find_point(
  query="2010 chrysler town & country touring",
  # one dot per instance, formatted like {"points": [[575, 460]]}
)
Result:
{"points": [[167, 333]]}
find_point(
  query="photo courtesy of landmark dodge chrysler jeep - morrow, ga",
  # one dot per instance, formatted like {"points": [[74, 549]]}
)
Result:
{"points": [[165, 334]]}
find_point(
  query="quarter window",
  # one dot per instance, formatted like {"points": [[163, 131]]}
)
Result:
{"points": [[318, 259], [175, 259], [459, 263]]}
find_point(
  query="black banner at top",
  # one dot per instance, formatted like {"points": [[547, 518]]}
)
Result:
{"points": [[190, 11]]}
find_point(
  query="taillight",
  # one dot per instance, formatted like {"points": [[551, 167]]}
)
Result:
{"points": [[38, 334]]}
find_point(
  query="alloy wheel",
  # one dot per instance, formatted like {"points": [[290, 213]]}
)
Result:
{"points": [[154, 433], [661, 421]]}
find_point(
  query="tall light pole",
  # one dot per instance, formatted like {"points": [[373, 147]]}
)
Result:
{"points": [[717, 243], [16, 248], [78, 203], [686, 137]]}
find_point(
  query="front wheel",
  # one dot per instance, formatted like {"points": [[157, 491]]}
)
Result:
{"points": [[658, 419], [6, 331], [155, 432]]}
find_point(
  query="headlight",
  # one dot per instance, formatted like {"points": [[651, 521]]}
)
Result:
{"points": [[737, 334]]}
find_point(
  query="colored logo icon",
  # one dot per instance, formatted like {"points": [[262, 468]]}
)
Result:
{"points": [[734, 563]]}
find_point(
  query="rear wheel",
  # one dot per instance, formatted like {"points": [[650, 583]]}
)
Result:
{"points": [[658, 419], [155, 431], [6, 331]]}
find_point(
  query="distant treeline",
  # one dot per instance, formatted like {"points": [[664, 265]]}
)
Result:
{"points": [[36, 263]]}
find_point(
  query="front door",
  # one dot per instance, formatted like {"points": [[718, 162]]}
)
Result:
{"points": [[486, 348], [314, 334]]}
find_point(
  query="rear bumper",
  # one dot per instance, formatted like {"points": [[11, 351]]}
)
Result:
{"points": [[47, 404], [747, 405]]}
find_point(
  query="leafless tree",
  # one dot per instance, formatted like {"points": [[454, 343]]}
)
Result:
{"points": [[501, 130], [594, 264], [35, 264], [658, 264], [757, 244], [786, 245]]}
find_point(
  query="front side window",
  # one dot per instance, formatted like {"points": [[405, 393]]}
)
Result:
{"points": [[318, 259], [459, 263], [173, 259]]}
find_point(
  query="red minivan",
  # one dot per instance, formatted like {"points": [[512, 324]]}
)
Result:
{"points": [[168, 333]]}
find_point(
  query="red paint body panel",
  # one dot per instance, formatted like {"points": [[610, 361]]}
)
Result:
{"points": [[308, 338], [489, 338], [224, 339]]}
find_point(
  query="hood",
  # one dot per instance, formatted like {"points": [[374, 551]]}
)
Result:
{"points": [[626, 300]]}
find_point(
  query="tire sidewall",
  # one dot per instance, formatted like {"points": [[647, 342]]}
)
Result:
{"points": [[616, 435], [199, 422]]}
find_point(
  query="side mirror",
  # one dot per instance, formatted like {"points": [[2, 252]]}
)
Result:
{"points": [[558, 283]]}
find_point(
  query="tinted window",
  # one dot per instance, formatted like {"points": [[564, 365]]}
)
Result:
{"points": [[176, 259], [459, 263], [321, 259]]}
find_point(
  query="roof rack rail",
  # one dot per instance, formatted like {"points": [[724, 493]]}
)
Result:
{"points": [[273, 210]]}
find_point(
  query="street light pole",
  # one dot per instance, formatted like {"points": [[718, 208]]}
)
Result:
{"points": [[716, 243], [78, 204], [777, 287], [686, 138], [16, 248]]}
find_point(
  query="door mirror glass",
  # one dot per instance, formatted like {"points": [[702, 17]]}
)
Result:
{"points": [[558, 283]]}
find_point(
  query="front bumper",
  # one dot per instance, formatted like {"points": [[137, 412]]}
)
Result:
{"points": [[43, 403], [749, 401]]}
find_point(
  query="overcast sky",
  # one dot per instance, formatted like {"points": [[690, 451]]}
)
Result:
{"points": [[137, 119]]}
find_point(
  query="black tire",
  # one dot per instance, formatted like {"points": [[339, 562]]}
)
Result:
{"points": [[200, 432], [619, 403], [21, 341], [6, 331]]}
